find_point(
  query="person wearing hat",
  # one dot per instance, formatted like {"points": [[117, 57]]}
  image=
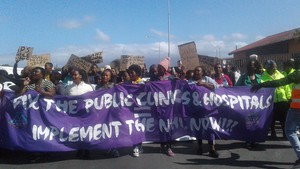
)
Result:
{"points": [[280, 95], [292, 122], [162, 74]]}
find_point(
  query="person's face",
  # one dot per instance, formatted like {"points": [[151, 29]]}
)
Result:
{"points": [[113, 72], [251, 68], [272, 69], [55, 77], [154, 71], [126, 77], [133, 75], [94, 69], [76, 77], [228, 67], [36, 74], [218, 69], [160, 71], [106, 76], [198, 73], [98, 80], [48, 68]]}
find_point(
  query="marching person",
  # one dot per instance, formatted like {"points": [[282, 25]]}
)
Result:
{"points": [[292, 122], [135, 72], [200, 79], [80, 86], [38, 83]]}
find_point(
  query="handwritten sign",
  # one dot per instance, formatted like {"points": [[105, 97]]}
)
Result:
{"points": [[127, 60], [38, 60], [78, 63], [94, 58], [189, 55], [24, 53]]}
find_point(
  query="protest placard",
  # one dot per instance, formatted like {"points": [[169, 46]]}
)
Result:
{"points": [[38, 60], [127, 60], [78, 63], [24, 53], [189, 55], [94, 58]]}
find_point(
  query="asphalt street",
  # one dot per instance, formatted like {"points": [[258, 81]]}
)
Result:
{"points": [[272, 154]]}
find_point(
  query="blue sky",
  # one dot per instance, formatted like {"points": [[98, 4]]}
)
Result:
{"points": [[138, 27]]}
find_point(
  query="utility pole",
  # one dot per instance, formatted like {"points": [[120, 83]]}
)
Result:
{"points": [[168, 28]]}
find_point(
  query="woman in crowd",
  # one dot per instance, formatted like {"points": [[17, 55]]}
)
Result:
{"points": [[189, 74], [38, 83], [222, 79], [135, 72], [105, 80], [80, 86], [107, 84], [125, 78], [153, 73], [200, 79], [80, 83], [93, 72], [249, 78], [162, 74]]}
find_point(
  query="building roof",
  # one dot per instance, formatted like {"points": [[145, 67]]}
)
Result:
{"points": [[280, 37]]}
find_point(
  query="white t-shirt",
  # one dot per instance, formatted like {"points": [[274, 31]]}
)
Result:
{"points": [[81, 88]]}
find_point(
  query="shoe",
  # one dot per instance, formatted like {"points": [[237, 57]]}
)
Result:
{"points": [[113, 153], [248, 145], [141, 150], [199, 151], [169, 152], [297, 162], [136, 152], [214, 153]]}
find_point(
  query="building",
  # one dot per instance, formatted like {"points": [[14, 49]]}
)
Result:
{"points": [[279, 47]]}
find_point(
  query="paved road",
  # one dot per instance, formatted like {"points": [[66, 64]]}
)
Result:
{"points": [[272, 154]]}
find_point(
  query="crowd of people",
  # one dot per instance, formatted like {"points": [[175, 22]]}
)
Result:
{"points": [[72, 81]]}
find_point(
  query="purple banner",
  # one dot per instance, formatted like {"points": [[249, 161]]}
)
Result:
{"points": [[130, 114]]}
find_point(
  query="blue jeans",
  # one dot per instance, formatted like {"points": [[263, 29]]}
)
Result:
{"points": [[292, 125]]}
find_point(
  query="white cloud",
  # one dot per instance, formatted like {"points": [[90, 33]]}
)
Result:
{"points": [[71, 24], [220, 47], [209, 37], [153, 52], [235, 36], [102, 36], [75, 23], [209, 44]]}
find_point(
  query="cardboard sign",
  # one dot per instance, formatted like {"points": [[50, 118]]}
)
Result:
{"points": [[94, 58], [189, 55], [24, 53], [38, 60], [78, 63], [127, 60]]}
